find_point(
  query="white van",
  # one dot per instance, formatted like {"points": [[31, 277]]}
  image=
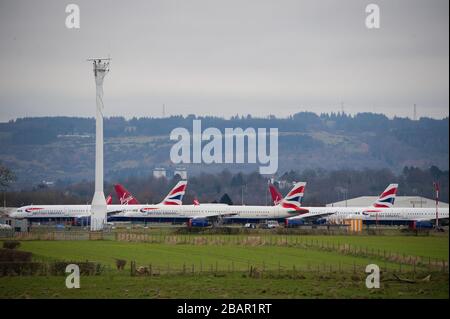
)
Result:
{"points": [[271, 224]]}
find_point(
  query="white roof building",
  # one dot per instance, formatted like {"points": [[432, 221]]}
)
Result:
{"points": [[400, 201], [159, 172]]}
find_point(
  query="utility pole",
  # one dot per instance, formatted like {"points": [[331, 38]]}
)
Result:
{"points": [[436, 189]]}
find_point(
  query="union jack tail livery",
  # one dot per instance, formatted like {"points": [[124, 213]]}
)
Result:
{"points": [[125, 197], [175, 196], [109, 200], [294, 198], [275, 193], [387, 198]]}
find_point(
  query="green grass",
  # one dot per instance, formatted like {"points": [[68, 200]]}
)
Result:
{"points": [[205, 256], [431, 246], [316, 279], [234, 285]]}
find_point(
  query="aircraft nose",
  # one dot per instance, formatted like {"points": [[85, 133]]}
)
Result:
{"points": [[14, 214]]}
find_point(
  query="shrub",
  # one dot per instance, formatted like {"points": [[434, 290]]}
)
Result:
{"points": [[58, 268], [11, 244], [10, 255], [120, 264], [22, 268]]}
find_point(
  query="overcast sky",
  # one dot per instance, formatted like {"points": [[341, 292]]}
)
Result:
{"points": [[225, 57]]}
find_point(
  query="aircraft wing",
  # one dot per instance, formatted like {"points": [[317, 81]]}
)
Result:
{"points": [[114, 212], [309, 217]]}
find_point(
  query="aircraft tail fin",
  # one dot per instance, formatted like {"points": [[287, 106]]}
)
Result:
{"points": [[387, 198], [275, 194], [175, 196], [294, 198], [125, 197]]}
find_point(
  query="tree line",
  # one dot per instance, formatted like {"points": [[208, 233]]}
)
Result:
{"points": [[323, 187]]}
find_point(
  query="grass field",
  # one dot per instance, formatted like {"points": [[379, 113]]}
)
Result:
{"points": [[232, 285], [175, 256], [221, 270]]}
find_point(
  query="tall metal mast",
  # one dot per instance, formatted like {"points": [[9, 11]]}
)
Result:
{"points": [[98, 207]]}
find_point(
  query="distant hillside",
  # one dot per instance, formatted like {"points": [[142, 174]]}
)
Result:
{"points": [[62, 148]]}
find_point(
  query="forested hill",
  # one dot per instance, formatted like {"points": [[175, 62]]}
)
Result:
{"points": [[52, 148]]}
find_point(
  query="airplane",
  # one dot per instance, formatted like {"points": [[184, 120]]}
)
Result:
{"points": [[316, 214], [83, 212], [201, 215], [415, 216]]}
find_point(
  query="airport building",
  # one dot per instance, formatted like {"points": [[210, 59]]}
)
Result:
{"points": [[160, 172], [400, 201]]}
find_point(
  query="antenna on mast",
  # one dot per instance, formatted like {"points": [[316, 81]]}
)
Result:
{"points": [[100, 64]]}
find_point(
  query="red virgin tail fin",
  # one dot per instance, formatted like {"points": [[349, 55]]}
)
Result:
{"points": [[275, 193], [125, 197]]}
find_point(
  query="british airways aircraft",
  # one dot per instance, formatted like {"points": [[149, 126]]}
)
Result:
{"points": [[382, 210], [205, 213], [45, 212]]}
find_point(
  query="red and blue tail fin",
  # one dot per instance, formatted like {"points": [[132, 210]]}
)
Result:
{"points": [[387, 198], [275, 193], [125, 197], [294, 198], [175, 196]]}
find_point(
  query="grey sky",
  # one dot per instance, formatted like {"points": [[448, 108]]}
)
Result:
{"points": [[224, 57]]}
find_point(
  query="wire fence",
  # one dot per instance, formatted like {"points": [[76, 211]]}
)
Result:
{"points": [[295, 241]]}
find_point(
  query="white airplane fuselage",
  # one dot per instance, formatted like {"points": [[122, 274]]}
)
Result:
{"points": [[207, 211], [56, 211], [375, 213], [157, 212]]}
